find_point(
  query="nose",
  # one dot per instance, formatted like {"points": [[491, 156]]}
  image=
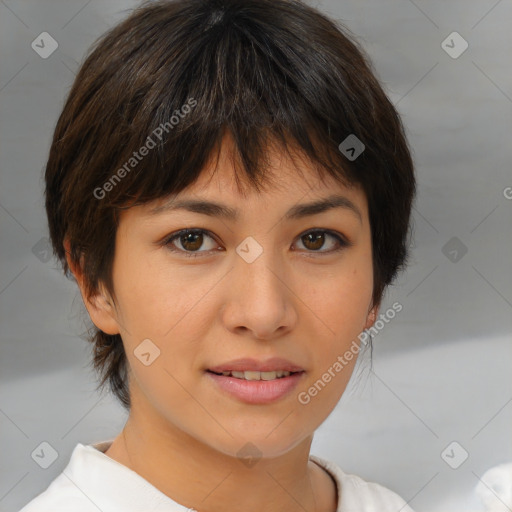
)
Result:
{"points": [[260, 299]]}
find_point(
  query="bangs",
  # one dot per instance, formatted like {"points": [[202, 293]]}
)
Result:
{"points": [[235, 77]]}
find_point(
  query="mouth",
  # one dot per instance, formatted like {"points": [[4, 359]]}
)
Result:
{"points": [[256, 388], [256, 381], [254, 375]]}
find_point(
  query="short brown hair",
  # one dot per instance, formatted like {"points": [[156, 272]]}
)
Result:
{"points": [[266, 71]]}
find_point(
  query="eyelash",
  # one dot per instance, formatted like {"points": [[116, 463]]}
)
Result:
{"points": [[343, 242]]}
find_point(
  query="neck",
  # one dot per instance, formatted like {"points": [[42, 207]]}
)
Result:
{"points": [[201, 478]]}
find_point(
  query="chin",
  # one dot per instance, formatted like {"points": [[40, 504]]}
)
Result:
{"points": [[257, 440]]}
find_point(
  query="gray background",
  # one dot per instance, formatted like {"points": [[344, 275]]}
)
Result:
{"points": [[441, 366]]}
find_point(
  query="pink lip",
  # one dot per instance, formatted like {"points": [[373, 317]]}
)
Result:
{"points": [[257, 391], [269, 365]]}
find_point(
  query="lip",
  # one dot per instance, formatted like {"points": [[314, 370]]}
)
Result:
{"points": [[257, 391], [247, 364]]}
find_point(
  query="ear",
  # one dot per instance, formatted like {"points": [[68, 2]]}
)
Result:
{"points": [[101, 306], [372, 316]]}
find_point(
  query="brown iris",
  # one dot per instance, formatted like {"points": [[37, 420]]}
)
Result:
{"points": [[316, 238], [194, 239]]}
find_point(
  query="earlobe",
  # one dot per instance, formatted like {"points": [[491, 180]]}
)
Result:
{"points": [[102, 314], [99, 306], [372, 316]]}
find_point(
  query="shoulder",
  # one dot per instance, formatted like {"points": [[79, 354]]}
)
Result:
{"points": [[61, 495], [357, 495], [93, 482], [72, 489]]}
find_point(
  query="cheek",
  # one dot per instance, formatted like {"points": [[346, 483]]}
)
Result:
{"points": [[172, 308], [341, 308], [165, 309], [151, 297], [340, 304], [341, 298]]}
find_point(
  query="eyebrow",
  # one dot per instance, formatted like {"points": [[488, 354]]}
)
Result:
{"points": [[300, 211]]}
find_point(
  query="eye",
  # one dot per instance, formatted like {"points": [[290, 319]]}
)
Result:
{"points": [[191, 241], [314, 239]]}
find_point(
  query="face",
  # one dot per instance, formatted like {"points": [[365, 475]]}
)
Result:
{"points": [[277, 281]]}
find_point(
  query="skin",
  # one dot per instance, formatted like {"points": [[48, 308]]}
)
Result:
{"points": [[298, 300]]}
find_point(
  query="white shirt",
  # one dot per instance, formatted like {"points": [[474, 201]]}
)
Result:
{"points": [[94, 482]]}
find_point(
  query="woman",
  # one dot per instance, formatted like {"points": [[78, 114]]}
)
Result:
{"points": [[231, 188]]}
